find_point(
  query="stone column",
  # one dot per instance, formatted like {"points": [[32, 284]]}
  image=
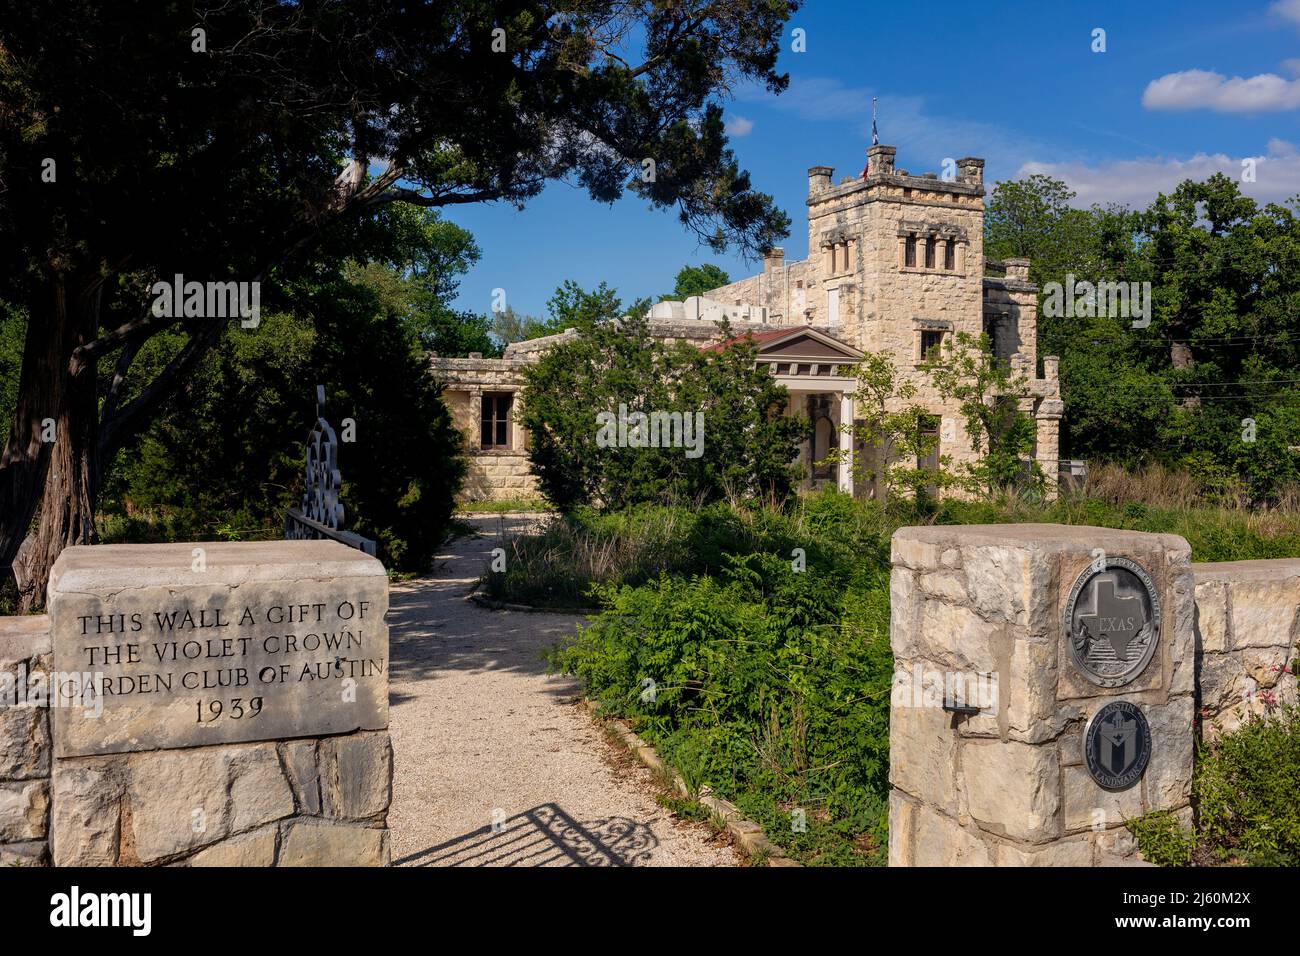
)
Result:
{"points": [[1048, 443], [845, 476], [978, 626], [220, 704], [24, 740]]}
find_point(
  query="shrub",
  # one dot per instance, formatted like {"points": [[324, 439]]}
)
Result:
{"points": [[1246, 785], [225, 459], [1162, 839], [611, 367], [769, 685]]}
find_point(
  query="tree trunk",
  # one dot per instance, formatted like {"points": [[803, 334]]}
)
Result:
{"points": [[50, 456], [1180, 357]]}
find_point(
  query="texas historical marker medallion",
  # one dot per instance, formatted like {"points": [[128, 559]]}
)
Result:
{"points": [[1117, 745], [1113, 621]]}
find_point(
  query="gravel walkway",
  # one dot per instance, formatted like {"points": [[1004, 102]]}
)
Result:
{"points": [[494, 763]]}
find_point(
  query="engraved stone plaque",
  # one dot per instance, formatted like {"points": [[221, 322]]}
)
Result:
{"points": [[1117, 745], [187, 645], [1112, 618]]}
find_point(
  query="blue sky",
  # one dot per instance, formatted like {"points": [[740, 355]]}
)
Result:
{"points": [[1184, 88]]}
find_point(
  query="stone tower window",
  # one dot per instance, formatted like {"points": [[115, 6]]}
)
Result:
{"points": [[931, 342], [950, 255], [495, 429], [909, 252], [929, 252]]}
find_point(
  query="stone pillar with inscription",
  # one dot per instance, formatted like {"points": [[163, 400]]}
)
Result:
{"points": [[219, 704], [1043, 692]]}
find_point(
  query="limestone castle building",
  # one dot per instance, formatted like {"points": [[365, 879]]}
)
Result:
{"points": [[896, 265]]}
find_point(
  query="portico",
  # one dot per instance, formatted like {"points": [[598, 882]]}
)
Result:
{"points": [[815, 369]]}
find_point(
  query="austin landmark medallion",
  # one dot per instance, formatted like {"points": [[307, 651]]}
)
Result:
{"points": [[1117, 745], [1113, 621]]}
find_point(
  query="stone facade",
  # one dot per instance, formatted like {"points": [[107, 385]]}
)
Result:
{"points": [[313, 802], [896, 265], [897, 260], [1007, 785], [215, 704], [495, 472], [24, 741], [1247, 628]]}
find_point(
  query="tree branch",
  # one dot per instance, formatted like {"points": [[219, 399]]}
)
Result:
{"points": [[417, 198], [115, 430], [134, 330]]}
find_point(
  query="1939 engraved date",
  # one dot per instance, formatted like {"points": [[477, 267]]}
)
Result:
{"points": [[236, 709]]}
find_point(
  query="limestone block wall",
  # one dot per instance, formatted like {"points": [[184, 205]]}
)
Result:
{"points": [[980, 608], [499, 476], [1247, 625], [491, 473], [311, 802], [24, 740], [218, 703]]}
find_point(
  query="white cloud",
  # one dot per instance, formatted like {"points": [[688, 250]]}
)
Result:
{"points": [[1135, 182], [739, 126], [1287, 10], [1205, 89], [1292, 66]]}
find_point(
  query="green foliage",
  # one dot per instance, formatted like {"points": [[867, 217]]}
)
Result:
{"points": [[1223, 340], [13, 326], [1245, 787], [898, 442], [509, 326], [226, 458], [987, 393], [745, 446], [770, 686], [1162, 839], [697, 280]]}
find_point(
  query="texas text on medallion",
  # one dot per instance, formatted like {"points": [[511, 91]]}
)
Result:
{"points": [[1112, 619]]}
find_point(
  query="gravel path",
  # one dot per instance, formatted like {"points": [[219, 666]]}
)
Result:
{"points": [[494, 763]]}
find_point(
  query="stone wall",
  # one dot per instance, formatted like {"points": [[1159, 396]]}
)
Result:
{"points": [[215, 704], [981, 607], [314, 802], [24, 740], [1247, 624], [857, 234], [491, 473]]}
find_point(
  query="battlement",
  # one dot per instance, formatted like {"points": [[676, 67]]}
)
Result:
{"points": [[884, 180]]}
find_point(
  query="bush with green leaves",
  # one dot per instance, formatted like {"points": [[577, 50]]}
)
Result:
{"points": [[613, 367], [1246, 786], [227, 457], [769, 684], [1244, 791]]}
